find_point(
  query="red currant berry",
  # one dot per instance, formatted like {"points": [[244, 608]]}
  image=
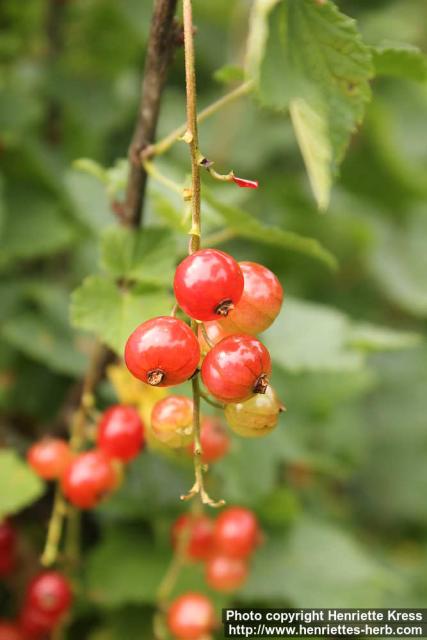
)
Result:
{"points": [[260, 302], [35, 624], [199, 533], [10, 631], [49, 458], [214, 332], [226, 574], [236, 368], [214, 439], [172, 421], [49, 593], [191, 617], [208, 284], [121, 432], [7, 537], [162, 352], [88, 478], [236, 532], [244, 182], [255, 417]]}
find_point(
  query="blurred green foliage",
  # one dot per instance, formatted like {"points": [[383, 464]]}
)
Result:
{"points": [[340, 486]]}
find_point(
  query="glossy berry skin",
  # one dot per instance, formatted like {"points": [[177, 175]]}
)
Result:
{"points": [[214, 439], [207, 284], [172, 421], [226, 574], [121, 432], [260, 302], [255, 417], [10, 631], [236, 532], [191, 617], [88, 478], [162, 352], [198, 531], [49, 458], [236, 368], [49, 593]]}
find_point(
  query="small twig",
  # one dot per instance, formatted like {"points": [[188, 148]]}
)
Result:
{"points": [[218, 237]]}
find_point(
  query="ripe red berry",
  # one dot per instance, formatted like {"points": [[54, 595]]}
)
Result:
{"points": [[162, 352], [88, 478], [191, 617], [10, 631], [199, 534], [49, 593], [208, 284], [236, 368], [172, 421], [260, 302], [255, 417], [236, 532], [214, 439], [121, 432], [35, 624], [226, 574], [49, 458]]}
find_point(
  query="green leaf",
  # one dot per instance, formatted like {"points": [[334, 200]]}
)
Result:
{"points": [[135, 579], [315, 54], [229, 74], [146, 255], [19, 485], [89, 200], [317, 566], [165, 210], [245, 225], [45, 341], [112, 313], [369, 337], [400, 61]]}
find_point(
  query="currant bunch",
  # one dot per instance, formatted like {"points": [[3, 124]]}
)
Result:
{"points": [[47, 600]]}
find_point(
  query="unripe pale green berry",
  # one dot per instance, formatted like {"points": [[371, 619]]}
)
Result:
{"points": [[255, 417]]}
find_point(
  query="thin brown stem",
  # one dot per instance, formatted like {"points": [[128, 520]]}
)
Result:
{"points": [[161, 45]]}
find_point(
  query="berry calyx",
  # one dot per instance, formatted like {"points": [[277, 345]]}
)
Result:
{"points": [[162, 352], [198, 531], [236, 368], [214, 440], [49, 593], [243, 182], [255, 417], [10, 631], [172, 421], [236, 532], [121, 432], [191, 616], [226, 574], [88, 478], [208, 284], [49, 457], [260, 302]]}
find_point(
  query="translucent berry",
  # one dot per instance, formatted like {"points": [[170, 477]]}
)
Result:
{"points": [[88, 478], [255, 417], [226, 574], [121, 432], [214, 331], [172, 421], [49, 457], [260, 302], [49, 593], [236, 368], [208, 284], [191, 617], [198, 531], [162, 352], [236, 532], [214, 439]]}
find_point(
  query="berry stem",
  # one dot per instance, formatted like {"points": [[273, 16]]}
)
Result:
{"points": [[209, 400], [54, 532], [166, 143], [192, 139]]}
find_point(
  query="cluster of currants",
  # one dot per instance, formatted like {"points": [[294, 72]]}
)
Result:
{"points": [[225, 545], [230, 303], [47, 598], [89, 476]]}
